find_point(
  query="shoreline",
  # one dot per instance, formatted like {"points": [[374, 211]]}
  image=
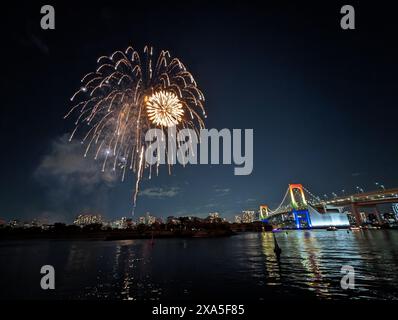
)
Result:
{"points": [[117, 235], [96, 232]]}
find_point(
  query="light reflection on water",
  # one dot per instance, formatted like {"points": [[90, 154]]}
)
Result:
{"points": [[239, 268]]}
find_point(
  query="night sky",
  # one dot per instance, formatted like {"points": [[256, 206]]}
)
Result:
{"points": [[322, 102]]}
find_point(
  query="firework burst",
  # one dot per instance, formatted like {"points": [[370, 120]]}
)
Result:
{"points": [[164, 108], [128, 94]]}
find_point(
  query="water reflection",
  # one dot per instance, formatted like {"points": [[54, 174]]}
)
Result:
{"points": [[310, 254], [243, 266], [322, 254], [272, 267]]}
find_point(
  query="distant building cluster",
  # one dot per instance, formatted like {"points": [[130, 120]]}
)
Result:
{"points": [[148, 219], [35, 223], [123, 223], [247, 216], [86, 219], [173, 220], [214, 217]]}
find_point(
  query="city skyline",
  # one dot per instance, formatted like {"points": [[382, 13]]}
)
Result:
{"points": [[383, 196]]}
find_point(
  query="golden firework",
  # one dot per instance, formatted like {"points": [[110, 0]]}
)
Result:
{"points": [[128, 94], [164, 108]]}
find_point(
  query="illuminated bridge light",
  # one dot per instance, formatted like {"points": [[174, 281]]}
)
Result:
{"points": [[264, 213], [297, 189], [298, 202]]}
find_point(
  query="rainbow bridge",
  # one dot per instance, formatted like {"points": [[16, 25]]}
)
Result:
{"points": [[300, 209]]}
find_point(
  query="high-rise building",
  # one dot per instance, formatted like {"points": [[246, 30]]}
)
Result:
{"points": [[16, 223], [147, 219], [141, 220], [238, 219], [123, 223], [248, 216], [213, 217]]}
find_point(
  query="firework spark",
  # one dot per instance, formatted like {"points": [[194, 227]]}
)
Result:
{"points": [[164, 108], [127, 95]]}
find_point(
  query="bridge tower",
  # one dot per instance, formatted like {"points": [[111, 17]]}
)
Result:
{"points": [[297, 196], [299, 206], [263, 213]]}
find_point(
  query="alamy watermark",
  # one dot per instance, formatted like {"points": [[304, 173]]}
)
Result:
{"points": [[191, 147], [48, 280], [347, 22], [348, 280], [48, 19]]}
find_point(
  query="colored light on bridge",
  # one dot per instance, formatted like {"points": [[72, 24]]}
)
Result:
{"points": [[302, 218], [298, 187], [333, 219], [263, 212]]}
